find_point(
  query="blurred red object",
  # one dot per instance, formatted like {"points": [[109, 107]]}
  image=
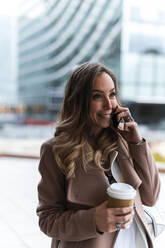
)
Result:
{"points": [[37, 122]]}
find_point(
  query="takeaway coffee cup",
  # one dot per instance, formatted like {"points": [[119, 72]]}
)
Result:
{"points": [[120, 195]]}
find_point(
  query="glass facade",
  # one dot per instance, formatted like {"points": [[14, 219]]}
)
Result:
{"points": [[8, 61], [143, 52], [55, 36]]}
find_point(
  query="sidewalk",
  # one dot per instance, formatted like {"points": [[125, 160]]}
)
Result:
{"points": [[18, 190]]}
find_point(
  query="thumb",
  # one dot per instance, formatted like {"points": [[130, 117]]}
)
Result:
{"points": [[103, 205]]}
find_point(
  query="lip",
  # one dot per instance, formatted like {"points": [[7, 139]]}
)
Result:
{"points": [[104, 115]]}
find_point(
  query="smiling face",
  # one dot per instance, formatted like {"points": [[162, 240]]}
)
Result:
{"points": [[103, 101]]}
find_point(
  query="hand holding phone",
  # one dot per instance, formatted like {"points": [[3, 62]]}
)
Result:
{"points": [[116, 121], [124, 123]]}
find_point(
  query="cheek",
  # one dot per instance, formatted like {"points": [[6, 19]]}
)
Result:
{"points": [[114, 103], [95, 107], [93, 111]]}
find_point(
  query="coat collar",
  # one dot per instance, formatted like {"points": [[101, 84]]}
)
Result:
{"points": [[89, 186], [122, 167]]}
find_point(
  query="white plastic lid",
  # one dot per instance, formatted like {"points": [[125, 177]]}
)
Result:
{"points": [[121, 191]]}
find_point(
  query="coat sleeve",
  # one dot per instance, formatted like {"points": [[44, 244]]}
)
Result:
{"points": [[54, 218], [146, 169]]}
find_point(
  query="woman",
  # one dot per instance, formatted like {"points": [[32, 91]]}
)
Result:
{"points": [[91, 149]]}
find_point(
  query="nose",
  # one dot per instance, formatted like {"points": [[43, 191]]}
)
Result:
{"points": [[109, 103]]}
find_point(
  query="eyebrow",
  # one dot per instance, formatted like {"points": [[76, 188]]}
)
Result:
{"points": [[102, 91]]}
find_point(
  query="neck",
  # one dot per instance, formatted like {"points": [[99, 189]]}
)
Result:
{"points": [[95, 133]]}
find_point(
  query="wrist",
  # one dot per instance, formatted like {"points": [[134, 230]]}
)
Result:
{"points": [[138, 142], [97, 228]]}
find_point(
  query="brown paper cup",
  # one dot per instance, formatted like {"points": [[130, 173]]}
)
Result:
{"points": [[119, 203], [120, 195]]}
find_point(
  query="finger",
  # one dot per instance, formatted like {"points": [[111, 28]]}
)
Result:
{"points": [[111, 224], [126, 115], [128, 118], [123, 219], [127, 224], [130, 126], [120, 211], [114, 215], [121, 109], [104, 204], [123, 225], [125, 216]]}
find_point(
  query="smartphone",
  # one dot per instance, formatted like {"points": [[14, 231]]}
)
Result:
{"points": [[121, 122], [114, 119], [117, 123]]}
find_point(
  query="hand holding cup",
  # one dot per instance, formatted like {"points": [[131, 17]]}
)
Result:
{"points": [[116, 213]]}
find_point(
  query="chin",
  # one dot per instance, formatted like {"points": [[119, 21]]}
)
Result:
{"points": [[104, 125], [101, 124]]}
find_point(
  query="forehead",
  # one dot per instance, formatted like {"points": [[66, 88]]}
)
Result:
{"points": [[103, 82]]}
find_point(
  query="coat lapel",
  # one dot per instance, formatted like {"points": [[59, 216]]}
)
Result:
{"points": [[123, 170], [89, 186]]}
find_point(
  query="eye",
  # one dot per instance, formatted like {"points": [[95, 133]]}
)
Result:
{"points": [[113, 94], [97, 96]]}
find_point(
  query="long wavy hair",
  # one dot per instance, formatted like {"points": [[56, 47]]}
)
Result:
{"points": [[73, 126]]}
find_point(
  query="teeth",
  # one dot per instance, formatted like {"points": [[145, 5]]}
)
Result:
{"points": [[106, 115]]}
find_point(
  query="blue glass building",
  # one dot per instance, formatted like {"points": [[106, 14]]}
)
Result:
{"points": [[55, 36]]}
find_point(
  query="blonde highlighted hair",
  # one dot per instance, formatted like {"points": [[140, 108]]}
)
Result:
{"points": [[72, 131]]}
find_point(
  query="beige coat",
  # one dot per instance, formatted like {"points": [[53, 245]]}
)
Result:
{"points": [[66, 208]]}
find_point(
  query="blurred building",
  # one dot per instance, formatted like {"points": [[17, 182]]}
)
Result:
{"points": [[142, 60], [8, 62], [55, 36]]}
